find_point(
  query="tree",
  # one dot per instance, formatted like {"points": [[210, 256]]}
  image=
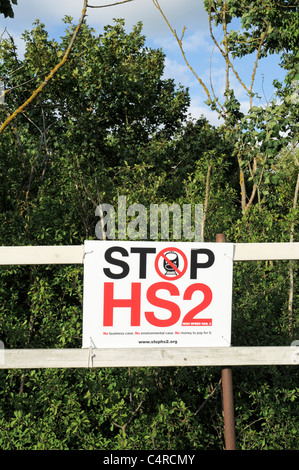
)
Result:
{"points": [[110, 79], [48, 77], [6, 7], [265, 137], [263, 132], [266, 28], [60, 64]]}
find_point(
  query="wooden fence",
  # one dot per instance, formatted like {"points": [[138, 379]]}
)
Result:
{"points": [[95, 357]]}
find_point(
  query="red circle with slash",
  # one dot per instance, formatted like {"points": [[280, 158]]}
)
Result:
{"points": [[178, 271]]}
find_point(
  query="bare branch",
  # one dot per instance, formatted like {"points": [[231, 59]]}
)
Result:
{"points": [[256, 61], [224, 27], [225, 54], [109, 4], [205, 211], [180, 43]]}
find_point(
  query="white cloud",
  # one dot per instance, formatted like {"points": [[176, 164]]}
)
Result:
{"points": [[51, 13], [179, 13], [199, 109], [196, 41], [180, 71]]}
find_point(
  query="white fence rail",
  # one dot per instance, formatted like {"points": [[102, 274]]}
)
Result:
{"points": [[65, 254], [82, 358], [148, 357]]}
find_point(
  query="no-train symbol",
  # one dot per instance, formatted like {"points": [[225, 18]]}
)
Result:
{"points": [[171, 264]]}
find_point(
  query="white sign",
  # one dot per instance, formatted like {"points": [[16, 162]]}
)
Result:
{"points": [[157, 294]]}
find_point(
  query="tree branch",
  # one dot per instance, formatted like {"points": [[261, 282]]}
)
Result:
{"points": [[109, 4], [205, 211], [180, 43], [256, 61], [224, 54]]}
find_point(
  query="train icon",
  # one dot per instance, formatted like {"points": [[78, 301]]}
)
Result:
{"points": [[173, 257]]}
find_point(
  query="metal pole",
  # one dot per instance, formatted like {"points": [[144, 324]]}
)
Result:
{"points": [[227, 391]]}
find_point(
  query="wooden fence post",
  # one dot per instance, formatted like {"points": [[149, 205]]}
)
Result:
{"points": [[227, 392]]}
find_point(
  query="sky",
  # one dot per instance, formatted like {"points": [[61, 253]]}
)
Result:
{"points": [[204, 58]]}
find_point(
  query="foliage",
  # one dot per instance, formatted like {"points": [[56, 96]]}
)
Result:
{"points": [[267, 27], [6, 7], [109, 124]]}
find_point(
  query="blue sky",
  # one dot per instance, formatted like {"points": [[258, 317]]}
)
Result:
{"points": [[197, 43]]}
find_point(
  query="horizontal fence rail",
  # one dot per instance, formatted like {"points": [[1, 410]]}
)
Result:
{"points": [[88, 358], [60, 254], [151, 357], [65, 254]]}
